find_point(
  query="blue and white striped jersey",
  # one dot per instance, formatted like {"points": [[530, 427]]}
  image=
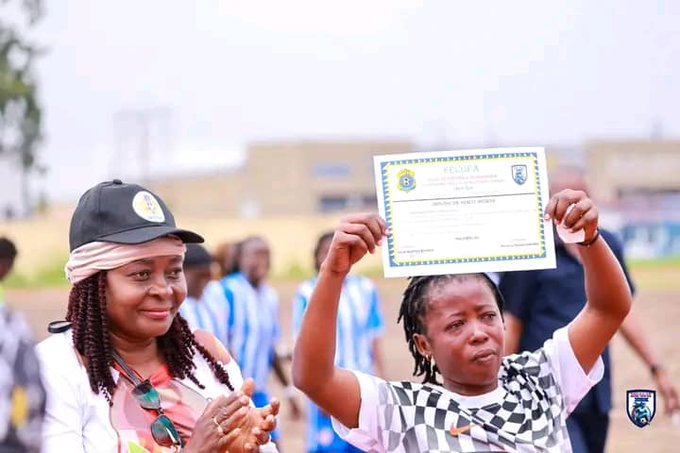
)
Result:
{"points": [[251, 317], [359, 321], [204, 314]]}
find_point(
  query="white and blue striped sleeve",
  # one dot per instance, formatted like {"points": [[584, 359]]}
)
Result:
{"points": [[375, 324], [300, 302], [276, 334], [216, 300]]}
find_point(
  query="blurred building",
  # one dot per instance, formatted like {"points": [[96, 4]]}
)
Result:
{"points": [[640, 181], [620, 170], [213, 193], [636, 183], [285, 178], [11, 199]]}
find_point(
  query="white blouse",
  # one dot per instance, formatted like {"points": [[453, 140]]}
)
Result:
{"points": [[77, 419]]}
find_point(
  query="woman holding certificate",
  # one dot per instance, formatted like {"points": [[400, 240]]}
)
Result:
{"points": [[471, 398]]}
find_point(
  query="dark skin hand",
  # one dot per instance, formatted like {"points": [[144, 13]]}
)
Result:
{"points": [[242, 428], [229, 412]]}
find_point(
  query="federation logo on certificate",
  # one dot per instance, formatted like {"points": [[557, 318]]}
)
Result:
{"points": [[407, 180], [641, 406], [519, 174]]}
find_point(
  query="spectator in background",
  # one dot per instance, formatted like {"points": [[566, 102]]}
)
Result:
{"points": [[252, 319], [359, 327], [8, 253], [197, 308], [22, 396], [226, 258], [541, 301]]}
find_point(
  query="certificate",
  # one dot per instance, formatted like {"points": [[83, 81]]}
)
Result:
{"points": [[455, 212]]}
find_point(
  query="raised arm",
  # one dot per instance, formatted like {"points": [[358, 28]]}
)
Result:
{"points": [[334, 390], [607, 292]]}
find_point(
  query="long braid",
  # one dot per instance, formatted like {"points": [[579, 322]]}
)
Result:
{"points": [[412, 311], [414, 308], [87, 314], [106, 348], [177, 351], [179, 346], [218, 370]]}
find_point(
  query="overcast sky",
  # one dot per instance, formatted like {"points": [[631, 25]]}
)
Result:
{"points": [[214, 75]]}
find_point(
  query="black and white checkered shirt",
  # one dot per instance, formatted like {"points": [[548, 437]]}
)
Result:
{"points": [[526, 413]]}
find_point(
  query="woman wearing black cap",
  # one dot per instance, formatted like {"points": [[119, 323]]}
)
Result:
{"points": [[125, 372]]}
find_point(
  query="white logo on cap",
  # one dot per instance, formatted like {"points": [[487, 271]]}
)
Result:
{"points": [[147, 207]]}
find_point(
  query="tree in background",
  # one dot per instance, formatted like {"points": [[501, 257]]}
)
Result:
{"points": [[20, 112]]}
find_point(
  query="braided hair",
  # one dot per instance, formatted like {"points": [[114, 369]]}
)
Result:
{"points": [[414, 309], [89, 321]]}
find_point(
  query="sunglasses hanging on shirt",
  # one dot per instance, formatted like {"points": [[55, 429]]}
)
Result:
{"points": [[163, 430]]}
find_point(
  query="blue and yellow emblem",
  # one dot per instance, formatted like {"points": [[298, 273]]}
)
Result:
{"points": [[407, 180], [641, 406]]}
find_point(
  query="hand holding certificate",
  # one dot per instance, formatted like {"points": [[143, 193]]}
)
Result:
{"points": [[464, 211]]}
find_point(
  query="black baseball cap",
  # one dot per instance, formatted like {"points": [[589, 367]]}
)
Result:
{"points": [[114, 211]]}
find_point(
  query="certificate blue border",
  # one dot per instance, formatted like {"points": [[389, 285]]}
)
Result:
{"points": [[387, 205]]}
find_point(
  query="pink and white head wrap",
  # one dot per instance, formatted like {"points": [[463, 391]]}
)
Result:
{"points": [[93, 257]]}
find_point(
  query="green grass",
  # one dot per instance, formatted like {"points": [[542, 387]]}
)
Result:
{"points": [[293, 270], [663, 263], [49, 276], [52, 275], [656, 275], [648, 274]]}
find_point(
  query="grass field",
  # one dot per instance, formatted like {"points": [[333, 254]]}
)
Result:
{"points": [[43, 244]]}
